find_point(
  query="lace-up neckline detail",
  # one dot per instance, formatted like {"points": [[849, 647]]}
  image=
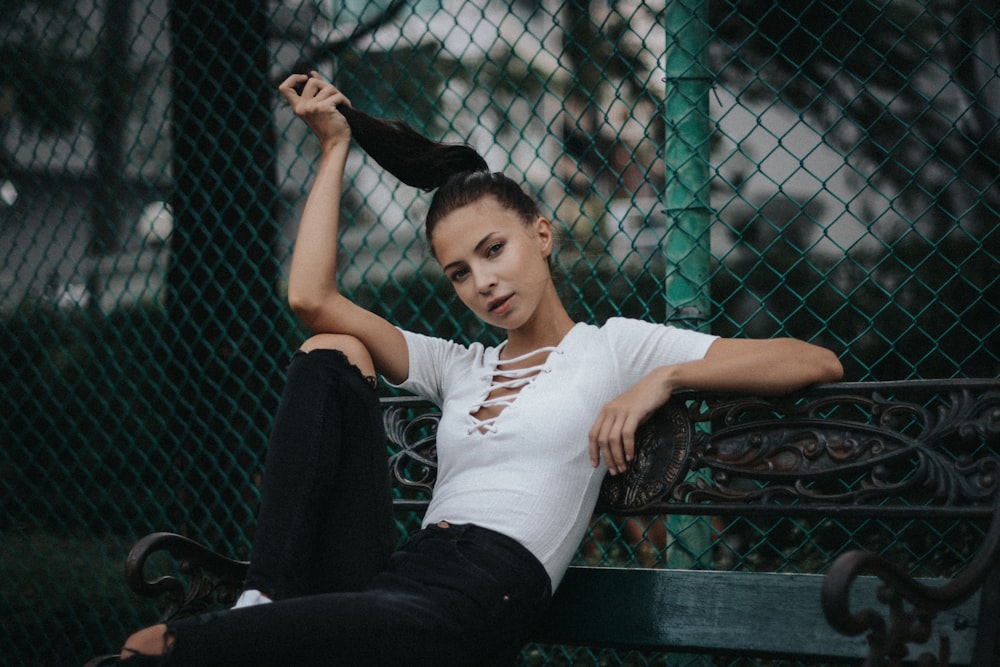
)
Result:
{"points": [[505, 386]]}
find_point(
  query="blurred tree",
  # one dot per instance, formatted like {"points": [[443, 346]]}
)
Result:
{"points": [[40, 54], [110, 117], [224, 306], [58, 77], [879, 66], [874, 80]]}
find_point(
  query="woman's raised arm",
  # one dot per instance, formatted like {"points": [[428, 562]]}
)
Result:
{"points": [[313, 292]]}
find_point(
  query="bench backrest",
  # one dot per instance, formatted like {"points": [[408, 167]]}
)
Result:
{"points": [[914, 449]]}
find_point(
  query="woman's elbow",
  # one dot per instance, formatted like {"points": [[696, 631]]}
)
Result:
{"points": [[321, 311], [828, 366], [306, 307]]}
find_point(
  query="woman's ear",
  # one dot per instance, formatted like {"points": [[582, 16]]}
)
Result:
{"points": [[543, 229]]}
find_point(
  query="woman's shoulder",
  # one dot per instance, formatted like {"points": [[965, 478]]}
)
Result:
{"points": [[630, 324], [615, 332], [437, 365], [619, 326], [440, 349], [625, 331]]}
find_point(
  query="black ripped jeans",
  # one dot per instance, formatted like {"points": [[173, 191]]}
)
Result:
{"points": [[323, 550]]}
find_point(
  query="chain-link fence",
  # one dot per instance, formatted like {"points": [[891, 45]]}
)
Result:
{"points": [[755, 168]]}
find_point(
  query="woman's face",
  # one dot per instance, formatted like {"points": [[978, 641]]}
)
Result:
{"points": [[497, 264]]}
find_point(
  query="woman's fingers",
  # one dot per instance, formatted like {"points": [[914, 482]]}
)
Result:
{"points": [[613, 435], [291, 88], [613, 439], [316, 101], [298, 88], [611, 447]]}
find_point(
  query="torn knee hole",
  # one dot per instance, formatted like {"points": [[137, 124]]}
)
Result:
{"points": [[156, 640]]}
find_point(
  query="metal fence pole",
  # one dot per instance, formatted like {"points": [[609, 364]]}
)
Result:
{"points": [[686, 155]]}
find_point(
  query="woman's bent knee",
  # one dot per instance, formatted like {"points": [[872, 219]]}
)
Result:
{"points": [[151, 641], [352, 347]]}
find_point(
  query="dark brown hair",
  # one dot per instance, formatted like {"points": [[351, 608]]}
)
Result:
{"points": [[458, 173]]}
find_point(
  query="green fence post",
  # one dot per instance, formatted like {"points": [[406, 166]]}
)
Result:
{"points": [[686, 155], [686, 205]]}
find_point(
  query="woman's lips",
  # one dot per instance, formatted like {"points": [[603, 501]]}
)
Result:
{"points": [[499, 306]]}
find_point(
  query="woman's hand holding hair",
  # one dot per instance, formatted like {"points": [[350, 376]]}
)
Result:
{"points": [[316, 101], [406, 154]]}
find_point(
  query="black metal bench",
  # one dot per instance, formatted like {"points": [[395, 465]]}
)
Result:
{"points": [[888, 452]]}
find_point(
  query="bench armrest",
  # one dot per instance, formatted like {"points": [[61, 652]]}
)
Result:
{"points": [[887, 638], [211, 579]]}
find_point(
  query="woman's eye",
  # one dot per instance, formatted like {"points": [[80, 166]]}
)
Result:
{"points": [[458, 275], [494, 249]]}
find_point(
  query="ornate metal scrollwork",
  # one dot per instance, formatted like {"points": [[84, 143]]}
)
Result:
{"points": [[411, 429], [759, 451], [912, 606], [211, 579]]}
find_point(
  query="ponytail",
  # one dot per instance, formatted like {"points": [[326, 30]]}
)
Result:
{"points": [[407, 155], [458, 173]]}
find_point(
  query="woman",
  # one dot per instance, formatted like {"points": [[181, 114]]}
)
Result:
{"points": [[527, 432]]}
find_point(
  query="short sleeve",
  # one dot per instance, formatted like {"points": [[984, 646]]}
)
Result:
{"points": [[642, 346], [432, 360]]}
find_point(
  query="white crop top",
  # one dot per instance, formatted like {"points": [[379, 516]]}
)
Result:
{"points": [[526, 472]]}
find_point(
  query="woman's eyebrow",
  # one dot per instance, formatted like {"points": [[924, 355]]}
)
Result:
{"points": [[479, 246]]}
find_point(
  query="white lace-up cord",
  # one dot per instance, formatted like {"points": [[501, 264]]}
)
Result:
{"points": [[519, 378]]}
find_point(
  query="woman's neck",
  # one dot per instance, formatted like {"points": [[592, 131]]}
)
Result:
{"points": [[546, 330]]}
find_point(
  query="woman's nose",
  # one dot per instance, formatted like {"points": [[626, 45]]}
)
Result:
{"points": [[485, 282]]}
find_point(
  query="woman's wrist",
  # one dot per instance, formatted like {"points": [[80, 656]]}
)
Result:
{"points": [[667, 381], [335, 149]]}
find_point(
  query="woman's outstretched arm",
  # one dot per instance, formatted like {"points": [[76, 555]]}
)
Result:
{"points": [[761, 366], [313, 291]]}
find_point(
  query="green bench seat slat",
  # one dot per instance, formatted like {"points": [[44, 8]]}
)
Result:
{"points": [[743, 613]]}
